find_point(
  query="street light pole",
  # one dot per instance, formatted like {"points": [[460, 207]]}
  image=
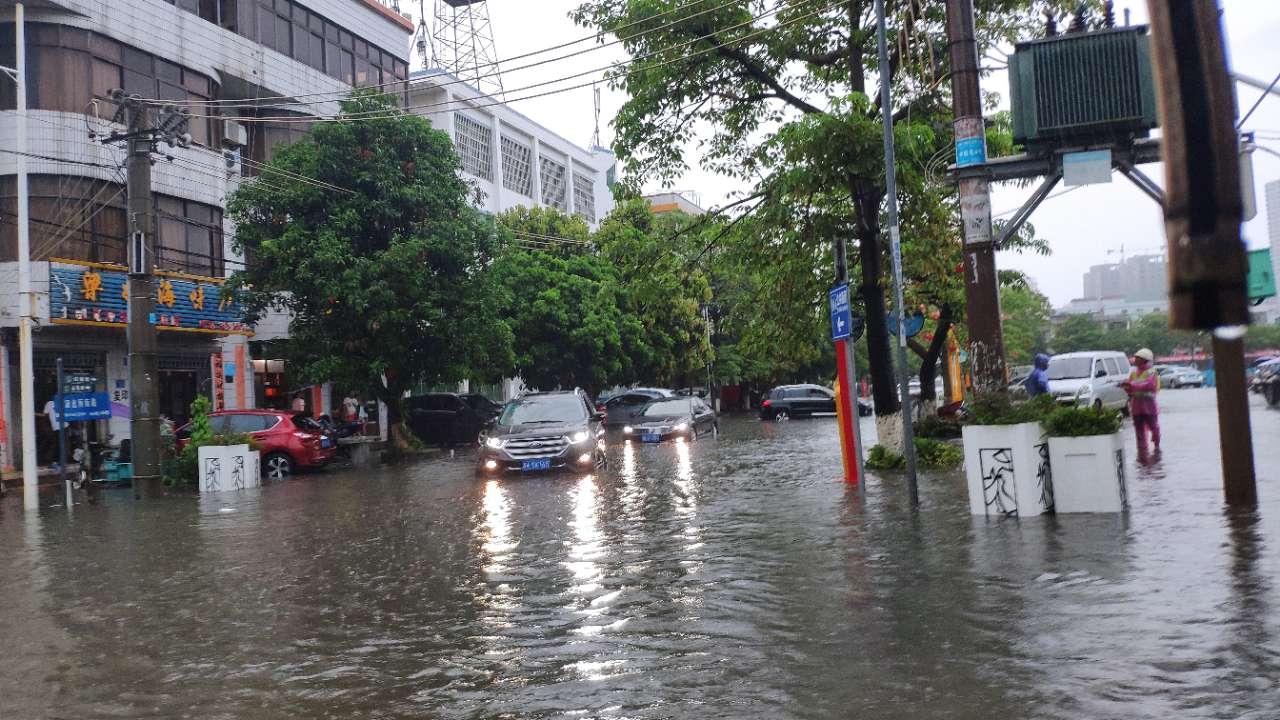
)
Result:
{"points": [[26, 299], [891, 196]]}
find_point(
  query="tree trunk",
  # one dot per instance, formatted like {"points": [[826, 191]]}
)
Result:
{"points": [[401, 438], [929, 361], [884, 390]]}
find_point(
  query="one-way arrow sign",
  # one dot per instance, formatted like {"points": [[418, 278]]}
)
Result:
{"points": [[841, 316]]}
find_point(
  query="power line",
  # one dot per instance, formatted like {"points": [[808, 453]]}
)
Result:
{"points": [[51, 158], [398, 112], [495, 64], [1058, 194]]}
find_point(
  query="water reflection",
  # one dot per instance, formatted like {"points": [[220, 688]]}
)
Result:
{"points": [[497, 541], [586, 548]]}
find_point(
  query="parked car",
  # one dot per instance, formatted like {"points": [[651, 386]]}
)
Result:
{"points": [[1179, 376], [287, 440], [1090, 378], [544, 431], [788, 401], [680, 417], [914, 387], [623, 408], [1266, 381], [450, 418]]}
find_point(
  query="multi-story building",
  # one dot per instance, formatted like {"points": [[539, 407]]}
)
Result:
{"points": [[673, 202], [513, 160], [258, 53]]}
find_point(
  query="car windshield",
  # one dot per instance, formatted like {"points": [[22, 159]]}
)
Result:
{"points": [[668, 407], [1070, 368], [544, 409]]}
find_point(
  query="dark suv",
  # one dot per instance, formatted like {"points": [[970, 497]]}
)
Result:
{"points": [[787, 401], [544, 431]]}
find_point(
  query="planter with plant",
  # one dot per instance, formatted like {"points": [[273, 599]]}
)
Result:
{"points": [[930, 454], [183, 470], [1006, 458], [1087, 455]]}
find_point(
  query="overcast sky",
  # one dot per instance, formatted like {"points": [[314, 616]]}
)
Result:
{"points": [[1081, 226]]}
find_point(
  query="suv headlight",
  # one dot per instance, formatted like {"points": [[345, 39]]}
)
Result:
{"points": [[494, 443], [579, 437], [628, 429], [681, 427]]}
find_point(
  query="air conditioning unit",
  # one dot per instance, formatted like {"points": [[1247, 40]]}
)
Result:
{"points": [[1088, 87], [233, 133]]}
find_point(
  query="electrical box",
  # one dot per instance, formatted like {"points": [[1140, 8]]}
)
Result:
{"points": [[1082, 88]]}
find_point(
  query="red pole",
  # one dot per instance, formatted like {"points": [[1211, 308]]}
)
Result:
{"points": [[846, 411]]}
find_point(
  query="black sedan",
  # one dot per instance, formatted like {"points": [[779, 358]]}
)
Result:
{"points": [[668, 418], [623, 408]]}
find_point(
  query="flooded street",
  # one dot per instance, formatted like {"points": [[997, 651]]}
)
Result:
{"points": [[728, 578]]}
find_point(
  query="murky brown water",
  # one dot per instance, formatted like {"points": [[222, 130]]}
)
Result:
{"points": [[731, 578]]}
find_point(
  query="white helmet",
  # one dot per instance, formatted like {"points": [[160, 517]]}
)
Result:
{"points": [[1145, 354]]}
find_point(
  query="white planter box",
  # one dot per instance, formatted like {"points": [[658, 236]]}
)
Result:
{"points": [[228, 467], [1008, 470], [1089, 474]]}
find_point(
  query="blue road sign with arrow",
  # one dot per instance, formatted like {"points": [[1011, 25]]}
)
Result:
{"points": [[841, 315]]}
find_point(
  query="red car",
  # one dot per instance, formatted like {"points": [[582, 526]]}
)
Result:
{"points": [[287, 440]]}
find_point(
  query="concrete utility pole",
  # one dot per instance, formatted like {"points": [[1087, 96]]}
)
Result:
{"points": [[982, 290], [144, 390], [1202, 211], [26, 298], [895, 249]]}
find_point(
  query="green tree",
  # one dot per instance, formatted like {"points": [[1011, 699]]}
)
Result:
{"points": [[566, 310], [788, 110], [1076, 333], [1026, 322], [381, 264]]}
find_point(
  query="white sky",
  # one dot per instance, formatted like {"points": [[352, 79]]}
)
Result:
{"points": [[1081, 226]]}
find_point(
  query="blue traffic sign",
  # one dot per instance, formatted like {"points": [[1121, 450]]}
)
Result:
{"points": [[84, 406], [914, 324], [841, 315]]}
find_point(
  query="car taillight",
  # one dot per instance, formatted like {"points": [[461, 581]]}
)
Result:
{"points": [[767, 403]]}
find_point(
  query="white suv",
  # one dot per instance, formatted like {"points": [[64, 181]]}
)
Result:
{"points": [[1089, 378]]}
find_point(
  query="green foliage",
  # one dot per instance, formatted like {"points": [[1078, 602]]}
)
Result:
{"points": [[1002, 409], [932, 426], [938, 455], [385, 283], [882, 458], [1026, 323], [200, 428], [930, 454], [1071, 421]]}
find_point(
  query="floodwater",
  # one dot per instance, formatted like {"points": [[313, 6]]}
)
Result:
{"points": [[729, 578]]}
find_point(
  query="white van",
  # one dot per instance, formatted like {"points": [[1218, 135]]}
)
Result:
{"points": [[1089, 378]]}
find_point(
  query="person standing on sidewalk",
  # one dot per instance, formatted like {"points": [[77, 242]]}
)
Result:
{"points": [[1037, 383], [1142, 386]]}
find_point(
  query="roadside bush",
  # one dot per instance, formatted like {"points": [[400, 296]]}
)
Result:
{"points": [[938, 455], [1082, 422], [937, 428], [1001, 409], [930, 454]]}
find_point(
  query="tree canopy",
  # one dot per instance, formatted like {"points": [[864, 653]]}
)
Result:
{"points": [[381, 262]]}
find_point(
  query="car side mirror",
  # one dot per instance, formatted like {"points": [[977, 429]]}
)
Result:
{"points": [[1102, 372], [597, 416]]}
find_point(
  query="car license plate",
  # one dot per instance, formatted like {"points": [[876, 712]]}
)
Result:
{"points": [[326, 442], [539, 464], [651, 437]]}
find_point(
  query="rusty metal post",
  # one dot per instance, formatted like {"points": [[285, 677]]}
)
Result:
{"points": [[1207, 261]]}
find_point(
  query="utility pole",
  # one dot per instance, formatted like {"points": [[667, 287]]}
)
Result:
{"points": [[26, 299], [144, 389], [1202, 211], [982, 290], [895, 248]]}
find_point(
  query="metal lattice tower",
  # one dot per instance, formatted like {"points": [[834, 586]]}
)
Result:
{"points": [[462, 44]]}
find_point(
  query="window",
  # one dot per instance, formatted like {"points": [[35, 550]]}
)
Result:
{"points": [[189, 237], [553, 183], [1114, 367], [72, 217], [474, 143], [247, 423], [517, 170], [584, 197]]}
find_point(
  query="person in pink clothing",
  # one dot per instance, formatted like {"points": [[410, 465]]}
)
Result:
{"points": [[1142, 386]]}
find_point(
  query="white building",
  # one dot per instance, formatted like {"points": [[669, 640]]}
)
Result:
{"points": [[515, 161], [668, 202], [259, 52]]}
